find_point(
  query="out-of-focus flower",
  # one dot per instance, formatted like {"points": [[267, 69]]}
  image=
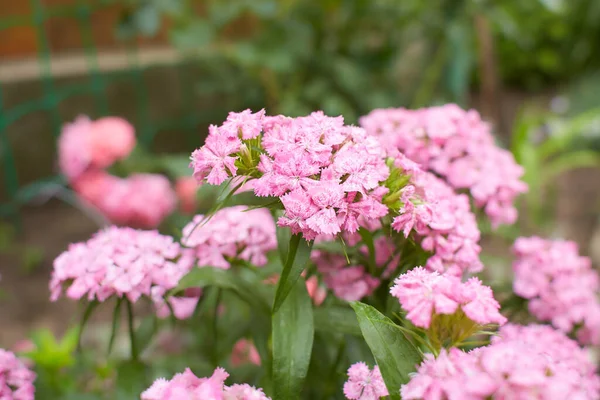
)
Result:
{"points": [[231, 233], [85, 144], [458, 146], [316, 292], [120, 262], [186, 189], [561, 286], [140, 200], [364, 384], [523, 362], [16, 380], [186, 385], [244, 352]]}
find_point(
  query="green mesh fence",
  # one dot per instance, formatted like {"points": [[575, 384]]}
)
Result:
{"points": [[94, 84]]}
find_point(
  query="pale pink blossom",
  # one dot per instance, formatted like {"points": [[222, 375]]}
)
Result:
{"points": [[16, 380], [459, 147], [561, 286], [316, 292], [364, 384], [186, 385], [231, 233], [424, 294], [214, 161], [86, 145], [121, 262], [244, 125], [523, 362]]}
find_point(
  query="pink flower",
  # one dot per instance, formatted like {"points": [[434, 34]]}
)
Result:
{"points": [[16, 380], [213, 161], [424, 294], [231, 233], [316, 292], [112, 139], [561, 286], [244, 352], [86, 145], [457, 146], [186, 189], [120, 262], [523, 362], [315, 164], [187, 386], [364, 384]]}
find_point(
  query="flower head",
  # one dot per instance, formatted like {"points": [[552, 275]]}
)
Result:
{"points": [[120, 262], [186, 385], [561, 285], [458, 146], [16, 380], [231, 233], [364, 384]]}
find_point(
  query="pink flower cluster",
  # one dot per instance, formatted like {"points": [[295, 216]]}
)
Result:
{"points": [[85, 145], [442, 220], [186, 385], [140, 200], [364, 384], [86, 148], [458, 146], [123, 262], [523, 362], [326, 174], [423, 294], [561, 286], [16, 380], [231, 233]]}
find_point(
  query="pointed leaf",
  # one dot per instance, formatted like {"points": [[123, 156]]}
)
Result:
{"points": [[115, 325], [293, 334], [395, 355], [84, 319], [297, 257], [336, 319]]}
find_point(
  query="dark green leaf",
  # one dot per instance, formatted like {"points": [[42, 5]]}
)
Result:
{"points": [[132, 378], [250, 199], [115, 324], [293, 333], [395, 355], [145, 332], [367, 238], [283, 242], [336, 319], [297, 258]]}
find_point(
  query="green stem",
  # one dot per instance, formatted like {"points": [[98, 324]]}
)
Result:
{"points": [[134, 349], [215, 328]]}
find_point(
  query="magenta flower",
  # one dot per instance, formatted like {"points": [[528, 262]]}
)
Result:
{"points": [[425, 294], [561, 286], [186, 385], [16, 380], [120, 262], [231, 233], [364, 384], [458, 146]]}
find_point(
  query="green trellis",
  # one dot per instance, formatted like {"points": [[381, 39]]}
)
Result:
{"points": [[95, 85]]}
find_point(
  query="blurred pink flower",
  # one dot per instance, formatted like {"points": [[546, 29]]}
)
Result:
{"points": [[16, 380], [244, 352], [364, 384], [186, 189]]}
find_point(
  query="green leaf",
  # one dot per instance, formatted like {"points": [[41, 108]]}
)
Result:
{"points": [[336, 319], [225, 279], [395, 355], [132, 378], [250, 199], [297, 258], [293, 334], [283, 242], [367, 238], [145, 332]]}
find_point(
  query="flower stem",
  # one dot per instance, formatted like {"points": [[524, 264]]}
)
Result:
{"points": [[134, 349]]}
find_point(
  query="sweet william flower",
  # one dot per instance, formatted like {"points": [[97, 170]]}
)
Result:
{"points": [[16, 380], [214, 161], [447, 308], [364, 384], [186, 189], [186, 385], [244, 352]]}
